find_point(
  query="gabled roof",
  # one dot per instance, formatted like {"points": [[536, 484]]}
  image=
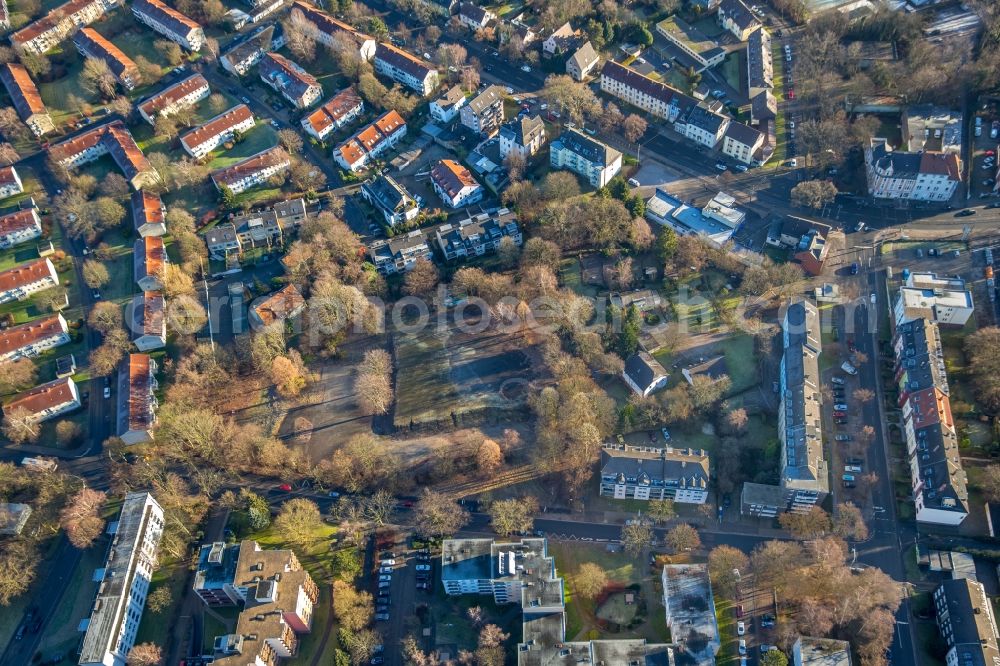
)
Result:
{"points": [[254, 163], [24, 274], [402, 60], [282, 304], [584, 57], [100, 47], [590, 149], [42, 397], [489, 97], [22, 90], [18, 220], [739, 13], [247, 49], [473, 11], [147, 208], [327, 24], [942, 164], [166, 15], [451, 97], [18, 337], [140, 388], [288, 75], [150, 256], [221, 124], [452, 177], [49, 20], [743, 133], [331, 113], [169, 95], [148, 313], [643, 369], [523, 130]]}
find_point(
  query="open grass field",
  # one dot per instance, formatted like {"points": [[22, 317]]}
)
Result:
{"points": [[444, 374], [732, 69]]}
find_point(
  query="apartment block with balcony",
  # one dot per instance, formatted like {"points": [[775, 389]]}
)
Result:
{"points": [[202, 140], [391, 199], [45, 401], [181, 95], [253, 171], [23, 280], [33, 338], [585, 156], [26, 98], [918, 176], [640, 91], [478, 235], [967, 623], [19, 227], [137, 402], [405, 69], [484, 113], [294, 83], [652, 473], [399, 253], [60, 23], [170, 23]]}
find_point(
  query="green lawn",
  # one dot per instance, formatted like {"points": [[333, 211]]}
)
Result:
{"points": [[741, 361], [61, 635], [780, 150], [260, 137], [731, 68], [155, 627]]}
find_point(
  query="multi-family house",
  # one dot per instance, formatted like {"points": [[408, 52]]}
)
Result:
{"points": [[277, 596], [760, 63], [705, 52], [109, 139], [148, 218], [258, 11], [240, 59], [149, 321], [967, 622], [690, 609], [262, 228], [446, 107], [252, 171], [371, 141], [203, 139], [741, 142], [181, 95], [92, 44], [810, 651], [170, 23], [644, 374], [524, 135], [26, 99], [455, 184], [149, 262], [651, 96], [653, 473], [939, 484], [45, 401], [736, 17], [137, 402], [33, 338], [294, 83], [484, 114], [23, 280], [943, 300], [279, 306], [804, 471], [473, 16], [478, 235], [59, 23], [703, 126], [583, 61], [10, 182], [596, 161], [330, 32], [399, 253], [341, 110], [390, 198], [20, 226], [919, 176], [405, 69], [124, 583], [563, 39]]}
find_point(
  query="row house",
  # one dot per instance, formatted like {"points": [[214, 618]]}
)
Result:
{"points": [[170, 23], [917, 176], [479, 235], [243, 57], [282, 305], [399, 253], [741, 142], [760, 62], [20, 282], [18, 227], [390, 198], [258, 11], [276, 594], [149, 321], [59, 23], [446, 107], [181, 95], [123, 583], [45, 401], [585, 156], [10, 182], [651, 96], [405, 69], [286, 77], [484, 113], [33, 338], [524, 135], [148, 216], [357, 152], [967, 622], [330, 32], [264, 228], [148, 263], [253, 171], [110, 139], [202, 140], [703, 126], [650, 473], [736, 17], [26, 99], [341, 110], [137, 402], [455, 184], [92, 44]]}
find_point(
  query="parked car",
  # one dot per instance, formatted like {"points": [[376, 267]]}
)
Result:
{"points": [[965, 212], [743, 646], [633, 182], [666, 434], [107, 392], [741, 628], [767, 621], [841, 421], [389, 562], [742, 168], [843, 438], [840, 414], [840, 407], [837, 380], [382, 617], [385, 578], [385, 570], [384, 585], [423, 567], [739, 610], [721, 167], [286, 487], [852, 468], [525, 68], [855, 268]]}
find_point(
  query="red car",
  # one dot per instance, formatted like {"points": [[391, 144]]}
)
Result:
{"points": [[739, 611], [791, 93], [988, 153], [840, 415], [287, 488]]}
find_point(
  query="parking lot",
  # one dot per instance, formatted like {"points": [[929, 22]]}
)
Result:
{"points": [[402, 579], [756, 621]]}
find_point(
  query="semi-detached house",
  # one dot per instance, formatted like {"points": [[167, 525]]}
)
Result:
{"points": [[337, 113], [20, 282], [330, 32], [27, 101], [18, 227], [357, 152], [148, 217], [252, 171], [170, 23], [405, 69], [240, 59], [286, 77], [59, 23], [170, 100], [33, 338], [10, 182], [202, 140], [137, 399], [45, 401], [92, 44]]}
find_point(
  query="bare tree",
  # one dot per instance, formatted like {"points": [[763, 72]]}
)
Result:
{"points": [[636, 537], [145, 654], [438, 515], [683, 538], [590, 580], [374, 381], [513, 516], [81, 517], [634, 126], [298, 521]]}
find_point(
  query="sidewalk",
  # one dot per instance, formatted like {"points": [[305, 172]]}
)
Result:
{"points": [[739, 527]]}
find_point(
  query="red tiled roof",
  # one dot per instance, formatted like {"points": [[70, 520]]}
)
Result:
{"points": [[330, 113], [154, 253], [171, 94], [930, 406], [45, 396], [943, 164], [351, 151], [16, 221], [49, 21], [389, 122], [147, 208], [222, 123], [280, 305], [166, 15], [139, 389], [22, 90], [252, 164], [452, 177], [7, 176], [328, 24], [17, 337], [153, 306], [25, 274], [118, 141], [100, 47]]}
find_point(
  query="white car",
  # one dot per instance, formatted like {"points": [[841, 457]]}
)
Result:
{"points": [[107, 391], [743, 646], [525, 68], [633, 182], [385, 579], [741, 628], [388, 563]]}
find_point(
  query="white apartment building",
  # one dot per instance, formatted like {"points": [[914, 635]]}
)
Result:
{"points": [[588, 157], [524, 135], [293, 82], [478, 235], [20, 226], [399, 253], [253, 171], [20, 282], [121, 597], [10, 182], [46, 401], [32, 338], [703, 126], [405, 69], [455, 184], [59, 23], [447, 106], [170, 100], [330, 32], [919, 176], [26, 98], [240, 59], [651, 473], [640, 91], [942, 300], [202, 140], [741, 142], [170, 23]]}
